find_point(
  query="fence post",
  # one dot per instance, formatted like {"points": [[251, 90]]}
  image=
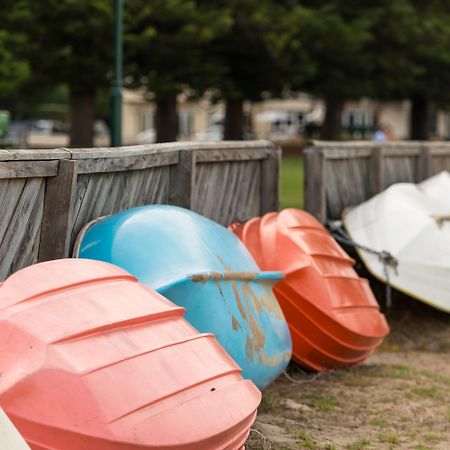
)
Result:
{"points": [[424, 163], [315, 195], [58, 209], [376, 171], [182, 179], [270, 181]]}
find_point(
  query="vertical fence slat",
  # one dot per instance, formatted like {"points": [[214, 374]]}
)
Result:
{"points": [[58, 209], [182, 180], [424, 164], [376, 170], [270, 182], [315, 195]]}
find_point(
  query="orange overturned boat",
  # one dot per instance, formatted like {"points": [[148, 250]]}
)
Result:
{"points": [[334, 319], [91, 359]]}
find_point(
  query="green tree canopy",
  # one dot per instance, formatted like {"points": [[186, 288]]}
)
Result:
{"points": [[70, 42], [379, 49], [165, 52], [430, 50], [259, 55], [239, 49], [13, 71], [336, 34], [14, 68]]}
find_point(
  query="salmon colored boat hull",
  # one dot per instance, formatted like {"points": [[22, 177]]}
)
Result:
{"points": [[333, 317], [91, 359]]}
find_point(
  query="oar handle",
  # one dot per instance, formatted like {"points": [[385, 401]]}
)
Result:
{"points": [[203, 277]]}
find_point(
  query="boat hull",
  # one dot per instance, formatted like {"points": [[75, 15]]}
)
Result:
{"points": [[332, 314], [91, 359], [247, 334], [412, 224], [203, 267], [437, 187]]}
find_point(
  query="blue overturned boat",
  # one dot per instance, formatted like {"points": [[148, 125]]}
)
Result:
{"points": [[202, 266]]}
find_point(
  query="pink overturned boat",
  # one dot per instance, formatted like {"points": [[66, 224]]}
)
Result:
{"points": [[91, 359]]}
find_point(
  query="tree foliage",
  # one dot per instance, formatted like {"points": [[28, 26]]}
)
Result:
{"points": [[259, 55], [165, 49], [69, 42], [165, 44], [414, 43], [379, 49], [239, 49], [14, 68], [13, 71], [427, 48]]}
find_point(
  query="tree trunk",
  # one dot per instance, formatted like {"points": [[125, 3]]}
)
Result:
{"points": [[420, 118], [332, 124], [166, 119], [82, 116], [234, 120]]}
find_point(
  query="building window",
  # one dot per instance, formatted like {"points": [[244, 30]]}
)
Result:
{"points": [[358, 123]]}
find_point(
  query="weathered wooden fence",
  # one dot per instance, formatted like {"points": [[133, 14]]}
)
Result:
{"points": [[47, 196], [343, 174]]}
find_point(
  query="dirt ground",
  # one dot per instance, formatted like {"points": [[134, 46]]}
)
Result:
{"points": [[398, 399]]}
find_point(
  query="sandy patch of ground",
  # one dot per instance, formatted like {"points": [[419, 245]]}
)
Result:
{"points": [[399, 399]]}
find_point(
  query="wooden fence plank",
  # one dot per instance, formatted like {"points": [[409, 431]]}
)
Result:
{"points": [[147, 149], [376, 171], [401, 152], [227, 191], [348, 153], [438, 149], [28, 169], [96, 165], [315, 195], [270, 181], [399, 169], [34, 155], [182, 180], [100, 194], [21, 219], [230, 155], [345, 184], [58, 209], [424, 164]]}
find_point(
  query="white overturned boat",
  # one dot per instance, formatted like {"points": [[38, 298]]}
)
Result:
{"points": [[414, 227], [438, 187], [10, 439]]}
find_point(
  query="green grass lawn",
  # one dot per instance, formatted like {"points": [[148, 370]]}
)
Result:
{"points": [[291, 182]]}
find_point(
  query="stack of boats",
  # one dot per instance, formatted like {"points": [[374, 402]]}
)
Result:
{"points": [[160, 331]]}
